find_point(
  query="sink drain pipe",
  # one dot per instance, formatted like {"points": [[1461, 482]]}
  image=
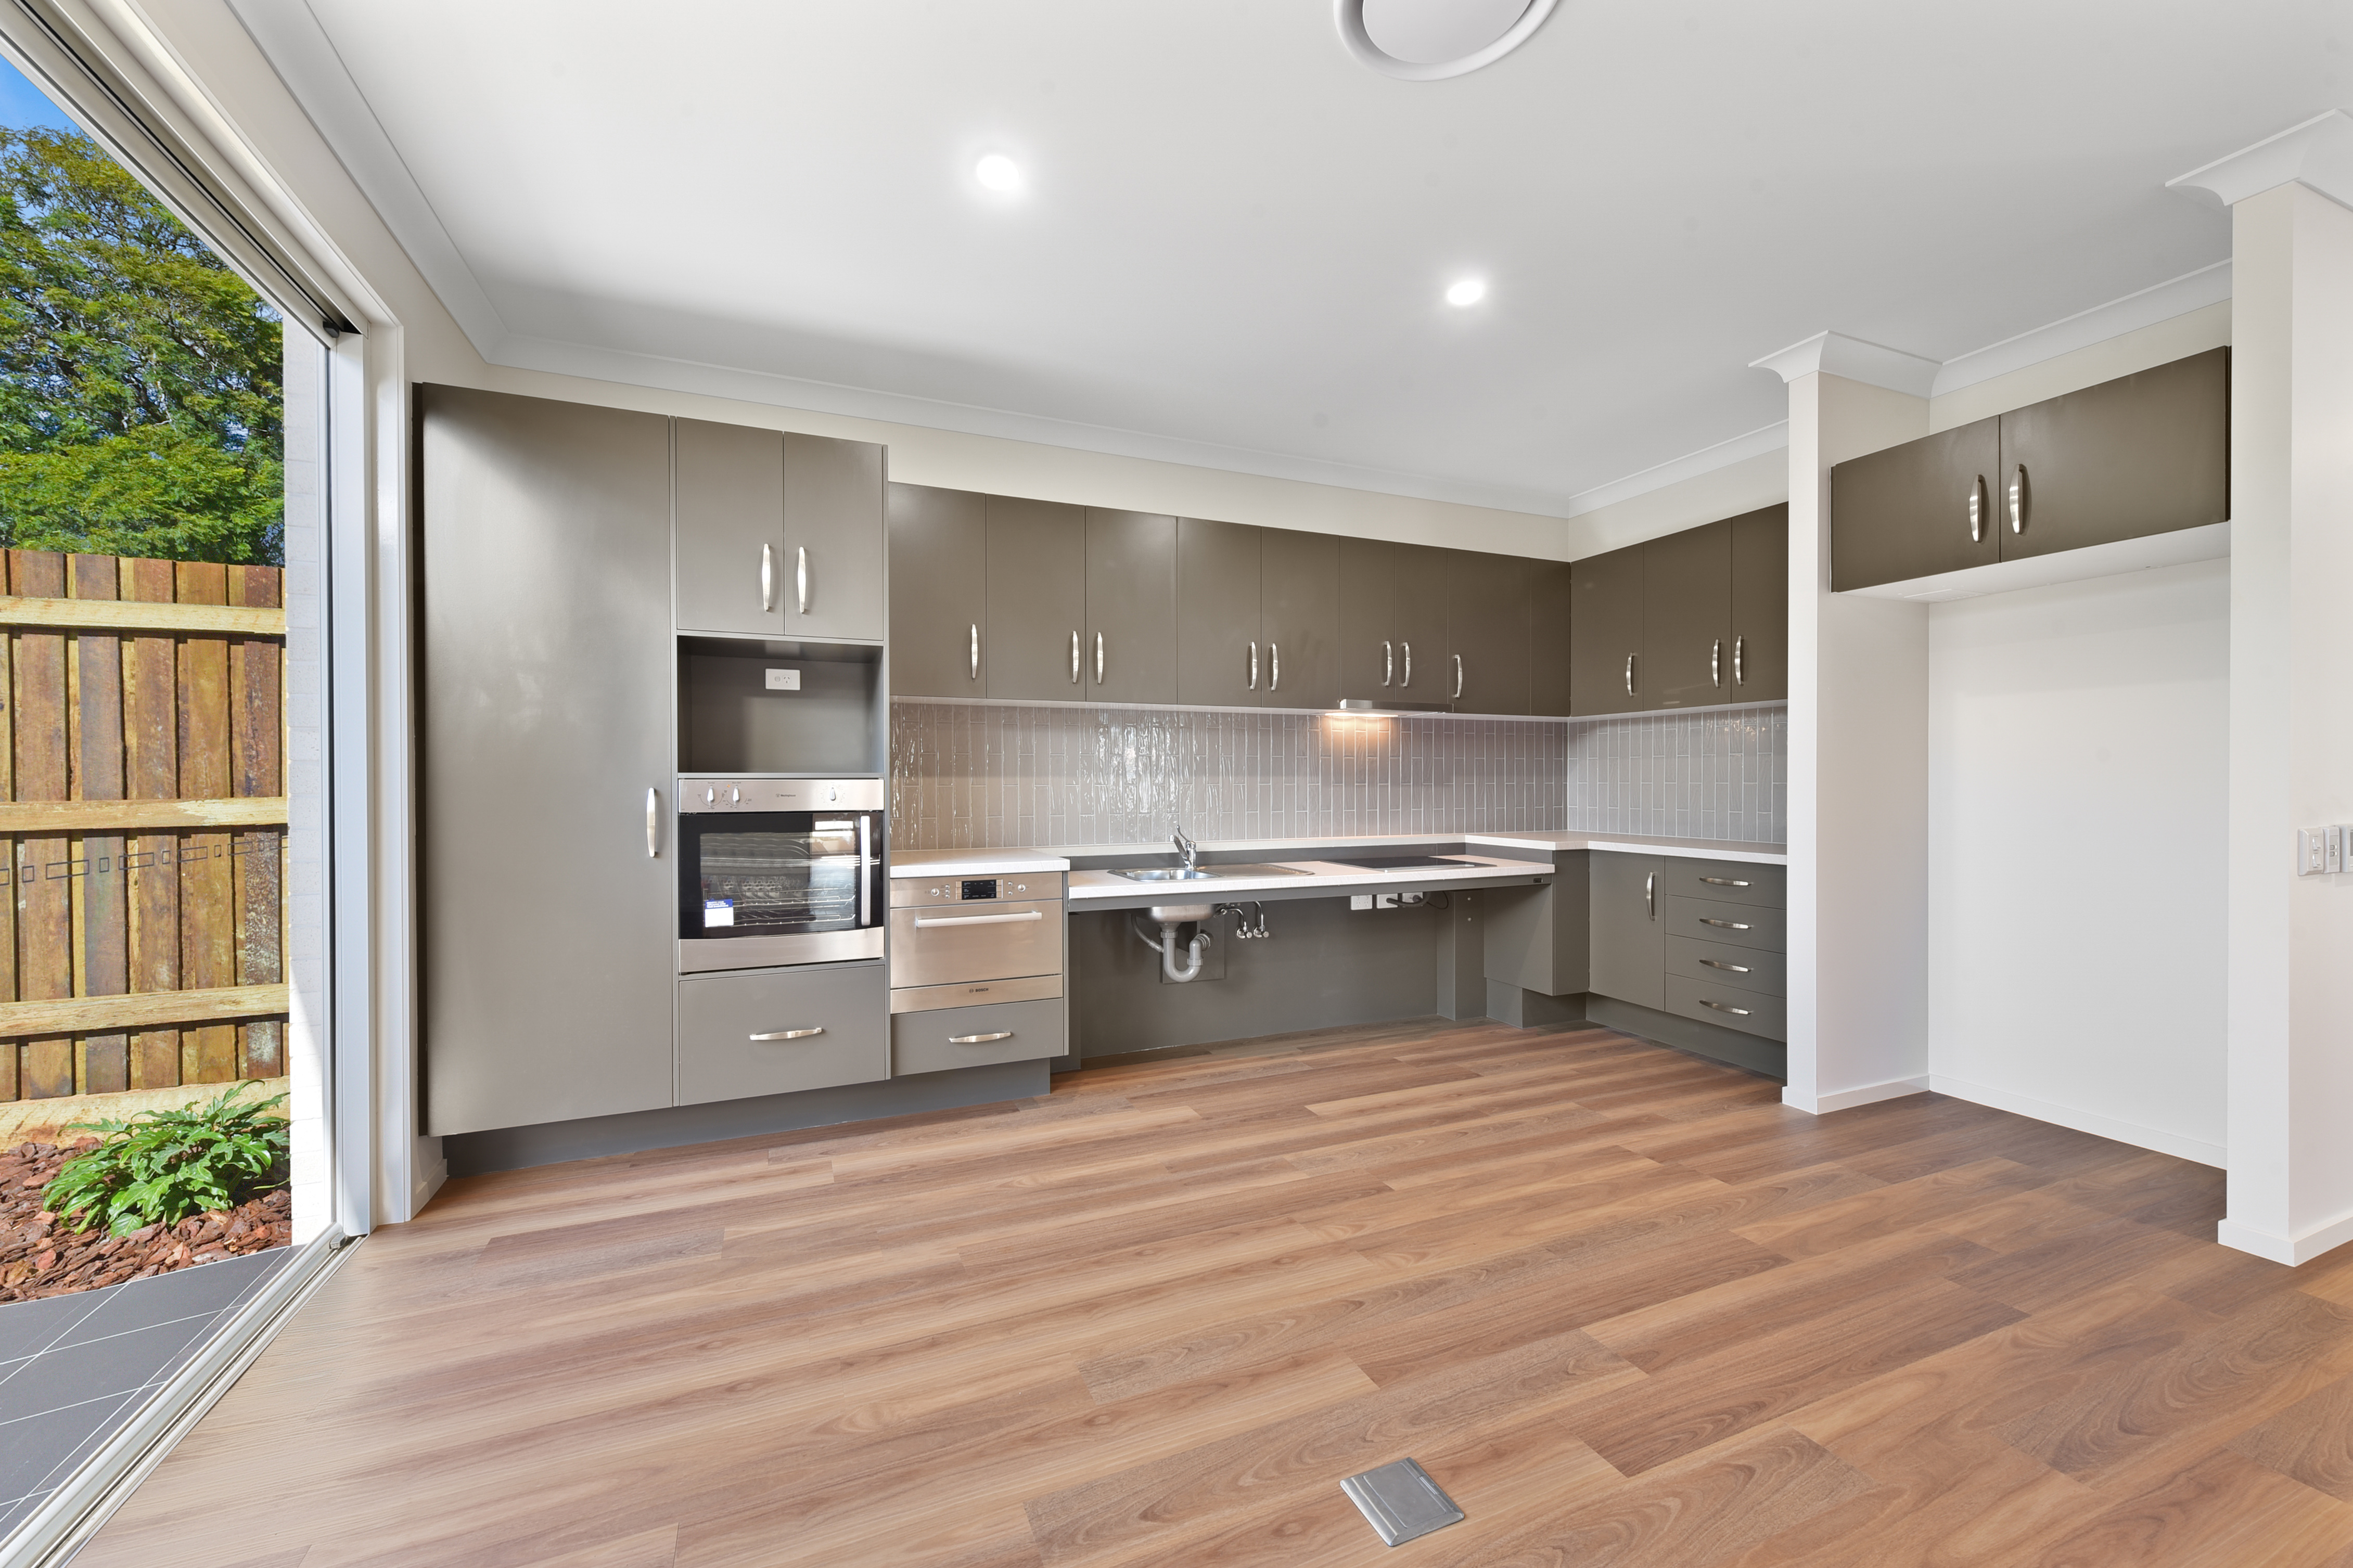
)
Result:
{"points": [[1194, 951], [1196, 948]]}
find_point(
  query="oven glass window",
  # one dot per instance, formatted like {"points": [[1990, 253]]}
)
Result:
{"points": [[773, 883]]}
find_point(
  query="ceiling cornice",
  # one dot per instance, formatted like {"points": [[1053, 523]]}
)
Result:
{"points": [[1835, 353], [2319, 153]]}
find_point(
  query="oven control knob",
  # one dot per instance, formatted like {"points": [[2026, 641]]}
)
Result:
{"points": [[833, 791], [1021, 887], [735, 797], [710, 796]]}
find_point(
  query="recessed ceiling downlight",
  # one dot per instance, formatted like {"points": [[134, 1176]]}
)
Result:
{"points": [[1466, 291], [997, 172], [1426, 40]]}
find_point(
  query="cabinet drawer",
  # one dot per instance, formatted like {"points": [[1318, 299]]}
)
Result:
{"points": [[1750, 1011], [718, 1058], [1725, 882], [1711, 919], [960, 1037], [941, 944], [1722, 963]]}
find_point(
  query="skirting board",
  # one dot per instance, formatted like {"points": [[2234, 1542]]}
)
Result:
{"points": [[2139, 1137], [2291, 1250], [1848, 1099]]}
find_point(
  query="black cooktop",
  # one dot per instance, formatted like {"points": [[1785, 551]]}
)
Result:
{"points": [[1401, 862]]}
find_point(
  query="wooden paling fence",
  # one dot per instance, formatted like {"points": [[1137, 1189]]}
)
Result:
{"points": [[143, 810]]}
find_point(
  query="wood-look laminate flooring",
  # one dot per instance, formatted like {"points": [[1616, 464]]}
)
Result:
{"points": [[1627, 1309]]}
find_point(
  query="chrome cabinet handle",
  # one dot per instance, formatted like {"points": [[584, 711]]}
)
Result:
{"points": [[979, 1039], [1723, 1006], [1274, 666], [1724, 925], [1719, 964], [788, 1034], [1388, 662], [653, 824], [865, 870], [924, 924], [1978, 510], [1716, 662], [800, 576], [767, 578], [1253, 675], [975, 650], [1099, 658], [1458, 679], [1723, 881], [1074, 658], [1408, 666], [1650, 894], [1737, 678], [1629, 675], [2018, 500]]}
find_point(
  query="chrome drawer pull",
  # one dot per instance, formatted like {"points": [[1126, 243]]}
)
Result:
{"points": [[1388, 662], [975, 650], [800, 576], [1716, 662], [1722, 882], [979, 1039], [790, 1034], [923, 924], [767, 578], [1723, 1006], [1719, 964], [1721, 925], [1074, 658]]}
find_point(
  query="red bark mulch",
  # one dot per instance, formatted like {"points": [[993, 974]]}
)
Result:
{"points": [[38, 1256]]}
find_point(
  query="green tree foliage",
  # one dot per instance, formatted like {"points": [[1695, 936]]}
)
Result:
{"points": [[140, 398]]}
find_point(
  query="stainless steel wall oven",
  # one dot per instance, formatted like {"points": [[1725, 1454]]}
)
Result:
{"points": [[779, 871]]}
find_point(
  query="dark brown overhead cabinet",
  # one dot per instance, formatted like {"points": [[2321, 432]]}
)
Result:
{"points": [[939, 592], [1761, 605], [1486, 669], [1605, 635], [2145, 454], [1299, 617], [1130, 649], [1686, 648], [1394, 645], [1220, 657], [1036, 600]]}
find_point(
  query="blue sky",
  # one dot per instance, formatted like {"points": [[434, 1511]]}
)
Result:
{"points": [[24, 106]]}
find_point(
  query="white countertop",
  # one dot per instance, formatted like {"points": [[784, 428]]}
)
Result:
{"points": [[975, 862], [1322, 875], [1636, 844]]}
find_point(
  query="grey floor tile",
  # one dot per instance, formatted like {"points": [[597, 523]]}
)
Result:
{"points": [[27, 1327], [67, 1378], [13, 1514], [168, 1298], [32, 1451]]}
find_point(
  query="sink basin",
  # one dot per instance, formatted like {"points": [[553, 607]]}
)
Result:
{"points": [[1164, 874]]}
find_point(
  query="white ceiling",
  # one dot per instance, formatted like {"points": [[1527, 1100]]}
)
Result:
{"points": [[1235, 237]]}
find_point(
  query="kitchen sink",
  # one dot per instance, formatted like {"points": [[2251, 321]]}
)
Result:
{"points": [[1204, 873]]}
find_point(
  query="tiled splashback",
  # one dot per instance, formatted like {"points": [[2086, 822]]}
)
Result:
{"points": [[983, 775], [1683, 775]]}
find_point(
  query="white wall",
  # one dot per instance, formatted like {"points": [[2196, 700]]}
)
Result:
{"points": [[2077, 737]]}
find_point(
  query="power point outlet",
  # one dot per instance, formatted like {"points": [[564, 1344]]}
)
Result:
{"points": [[2311, 851], [784, 680], [2332, 851]]}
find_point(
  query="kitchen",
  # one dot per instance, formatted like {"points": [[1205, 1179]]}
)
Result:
{"points": [[1124, 809]]}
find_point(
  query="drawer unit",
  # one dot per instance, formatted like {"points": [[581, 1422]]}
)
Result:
{"points": [[940, 1038], [776, 1031], [1725, 881], [1729, 1007], [1711, 919], [941, 945], [1723, 964]]}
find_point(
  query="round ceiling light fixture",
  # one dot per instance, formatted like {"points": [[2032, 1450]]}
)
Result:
{"points": [[1466, 291], [998, 173], [1429, 40]]}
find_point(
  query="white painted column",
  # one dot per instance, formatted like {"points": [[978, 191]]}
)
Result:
{"points": [[2291, 953], [1858, 793]]}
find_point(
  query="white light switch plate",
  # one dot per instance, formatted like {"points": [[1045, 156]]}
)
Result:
{"points": [[2311, 851], [784, 680]]}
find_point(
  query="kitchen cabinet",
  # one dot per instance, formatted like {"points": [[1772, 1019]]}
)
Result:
{"points": [[1036, 599], [1684, 654], [1630, 947], [1299, 617], [939, 592], [545, 696], [1486, 667], [1394, 623], [729, 499], [1759, 661], [1220, 655], [1425, 632], [942, 1039], [1551, 591], [1129, 649], [836, 547], [1540, 939], [781, 1031], [2145, 454], [1605, 633]]}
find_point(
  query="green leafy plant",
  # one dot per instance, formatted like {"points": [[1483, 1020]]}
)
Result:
{"points": [[160, 1167]]}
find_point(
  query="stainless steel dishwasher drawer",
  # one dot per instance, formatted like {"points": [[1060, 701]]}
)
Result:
{"points": [[939, 944], [947, 1037]]}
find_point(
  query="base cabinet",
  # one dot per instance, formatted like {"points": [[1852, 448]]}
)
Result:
{"points": [[778, 1031], [1630, 940], [949, 1038], [1699, 939]]}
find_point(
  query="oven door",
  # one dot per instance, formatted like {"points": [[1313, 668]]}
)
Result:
{"points": [[764, 888]]}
